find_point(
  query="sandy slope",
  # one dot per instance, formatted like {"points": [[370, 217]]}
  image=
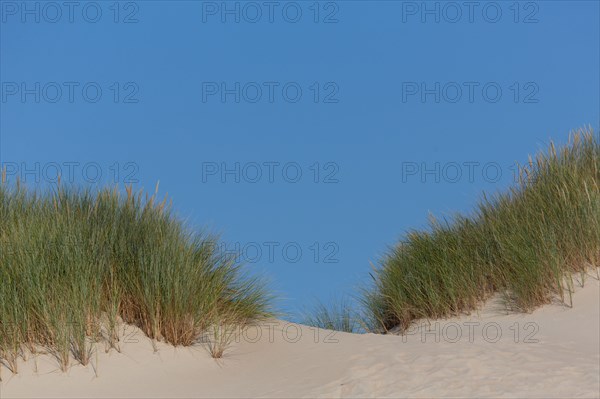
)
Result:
{"points": [[556, 355]]}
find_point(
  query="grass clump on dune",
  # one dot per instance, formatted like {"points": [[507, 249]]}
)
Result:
{"points": [[337, 315], [525, 243], [75, 263]]}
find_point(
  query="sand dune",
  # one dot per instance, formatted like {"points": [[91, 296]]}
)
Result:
{"points": [[552, 352]]}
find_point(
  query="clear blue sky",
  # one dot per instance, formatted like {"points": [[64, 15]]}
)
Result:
{"points": [[406, 108]]}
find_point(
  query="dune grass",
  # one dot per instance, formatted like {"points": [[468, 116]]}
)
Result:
{"points": [[525, 243], [76, 263], [338, 315]]}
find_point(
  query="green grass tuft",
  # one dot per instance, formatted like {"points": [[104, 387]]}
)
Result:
{"points": [[75, 263], [338, 315], [525, 243]]}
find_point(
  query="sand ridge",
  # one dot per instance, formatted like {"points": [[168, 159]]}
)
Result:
{"points": [[551, 352]]}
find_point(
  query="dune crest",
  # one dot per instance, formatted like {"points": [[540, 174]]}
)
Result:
{"points": [[552, 352]]}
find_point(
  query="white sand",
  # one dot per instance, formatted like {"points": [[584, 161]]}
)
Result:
{"points": [[562, 360]]}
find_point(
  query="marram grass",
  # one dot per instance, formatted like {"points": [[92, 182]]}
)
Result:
{"points": [[525, 243], [75, 263], [337, 315]]}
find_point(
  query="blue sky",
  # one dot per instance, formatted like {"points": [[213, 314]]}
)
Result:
{"points": [[311, 135]]}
